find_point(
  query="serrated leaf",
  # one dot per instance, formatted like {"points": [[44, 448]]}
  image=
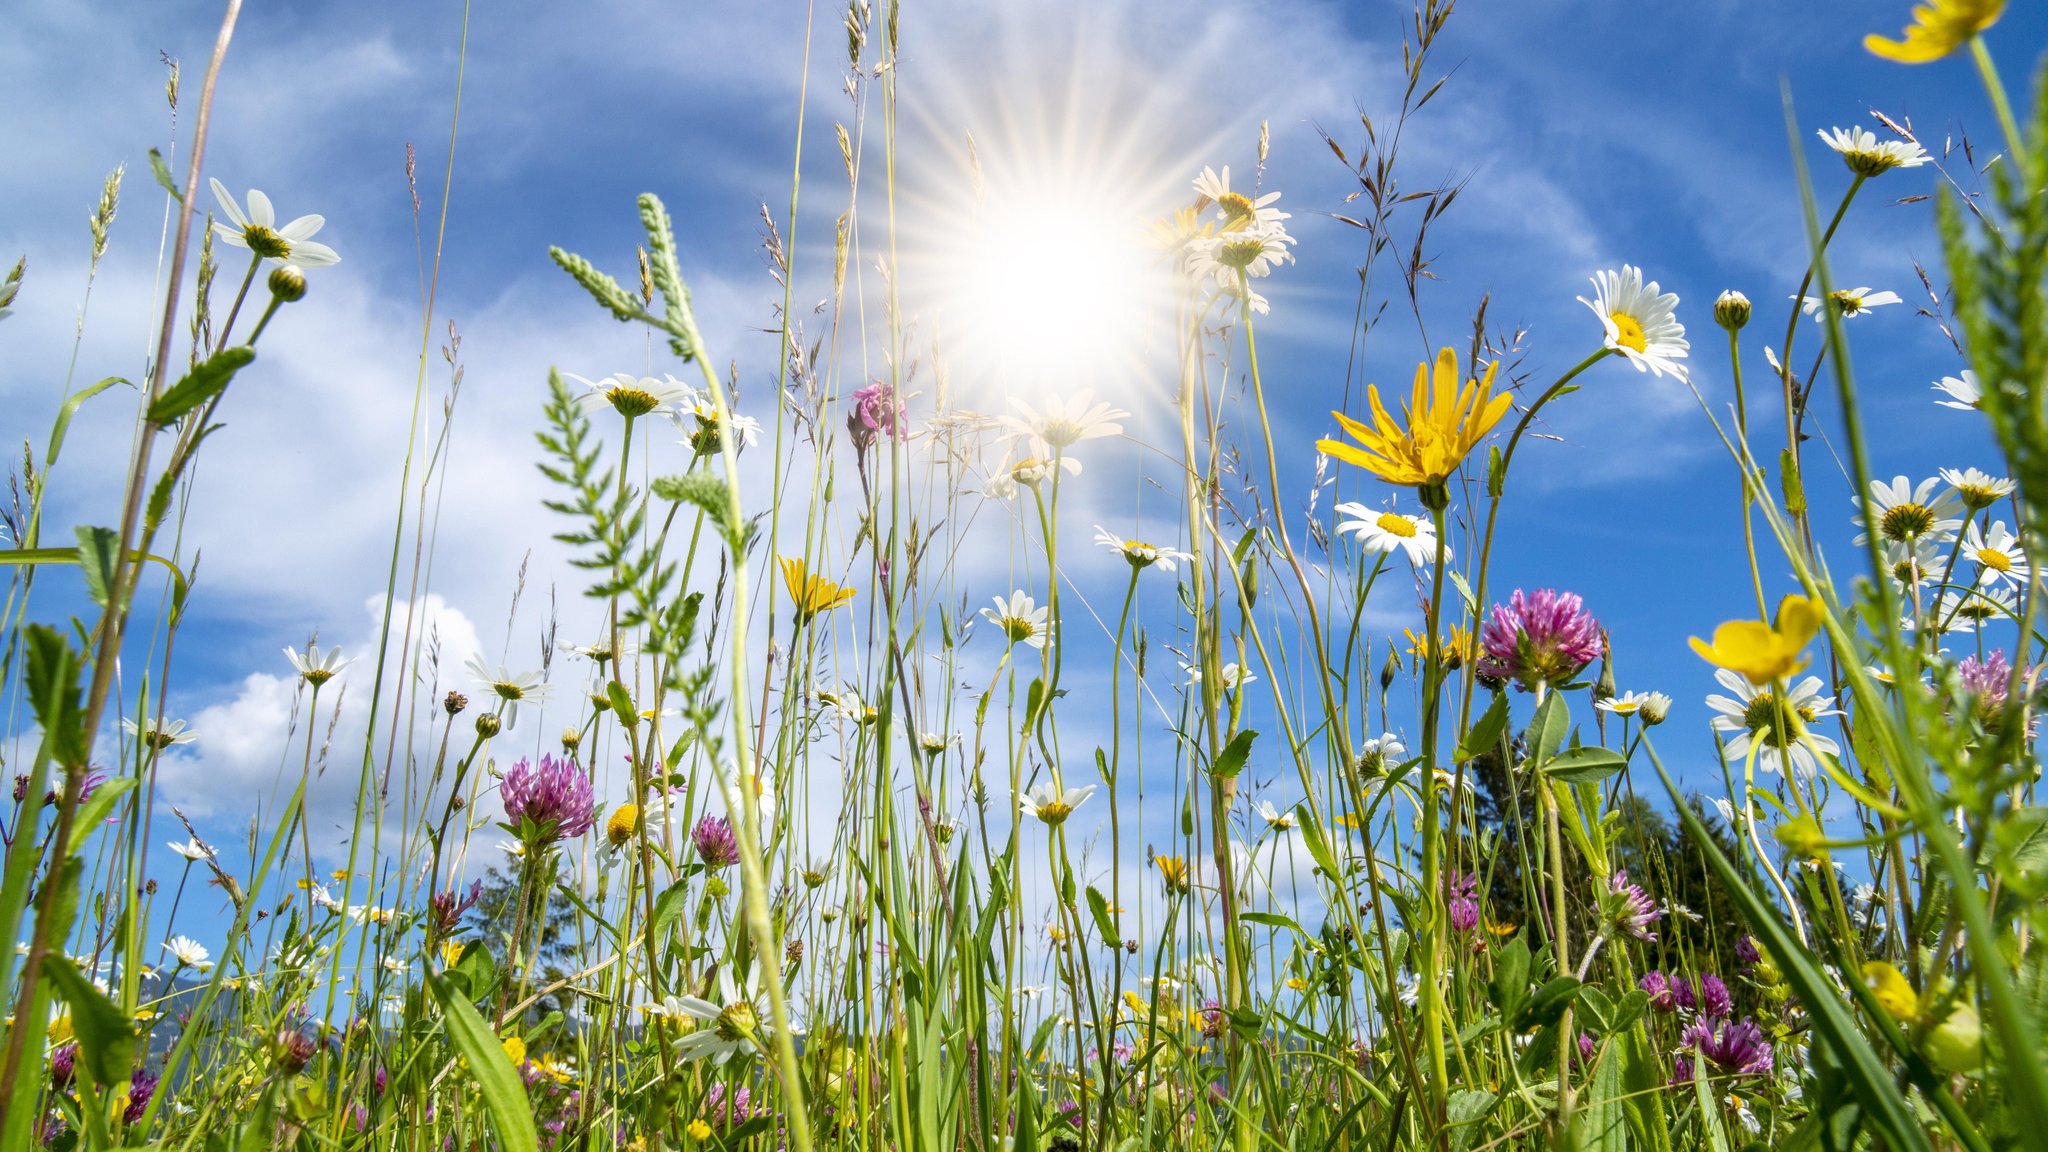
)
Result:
{"points": [[201, 384], [1231, 760], [1585, 765], [97, 549]]}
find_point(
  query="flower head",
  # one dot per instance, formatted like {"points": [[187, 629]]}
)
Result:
{"points": [[316, 668], [1848, 301], [1065, 420], [1780, 730], [1545, 637], [1386, 531], [1140, 554], [1641, 323], [635, 396], [1962, 391], [1629, 909], [1977, 490], [876, 412], [1866, 155], [159, 733], [1461, 901], [1650, 707], [1173, 873], [1051, 805], [514, 688], [1731, 310], [727, 1028], [1022, 621], [715, 842], [257, 231], [1446, 421], [1939, 27], [1906, 511], [192, 849], [813, 596], [547, 803], [1764, 652], [1735, 1048], [697, 419], [189, 952], [1996, 553]]}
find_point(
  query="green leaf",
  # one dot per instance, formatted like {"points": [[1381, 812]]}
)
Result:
{"points": [[201, 384], [70, 409], [1272, 920], [106, 1037], [1464, 1112], [95, 810], [1104, 922], [1317, 844], [97, 549], [1585, 765], [1548, 1004], [53, 691], [1510, 983], [1485, 734], [1230, 761], [162, 171], [1547, 729], [1604, 1123], [504, 1095], [707, 492], [622, 704]]}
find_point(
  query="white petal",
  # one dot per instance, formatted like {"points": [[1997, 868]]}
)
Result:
{"points": [[260, 211], [227, 203], [303, 228]]}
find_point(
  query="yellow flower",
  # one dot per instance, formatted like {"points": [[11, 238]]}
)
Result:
{"points": [[451, 953], [812, 595], [515, 1050], [59, 1030], [1297, 983], [1456, 649], [1939, 27], [698, 1129], [1174, 871], [1764, 652], [624, 822], [1446, 421], [1893, 994]]}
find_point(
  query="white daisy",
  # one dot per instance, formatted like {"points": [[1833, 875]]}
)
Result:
{"points": [[734, 1027], [513, 688], [635, 396], [697, 418], [192, 849], [189, 952], [1782, 732], [1996, 552], [1022, 621], [257, 230], [159, 733], [1652, 707], [1140, 554], [1866, 155], [1028, 470], [1235, 209], [1277, 819], [1375, 754], [1850, 302], [315, 667], [1906, 511], [1386, 531], [1962, 391], [1254, 252], [1641, 323], [1049, 804], [1977, 490], [1234, 676], [1065, 421]]}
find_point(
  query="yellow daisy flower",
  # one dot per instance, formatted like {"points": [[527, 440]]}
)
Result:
{"points": [[812, 595], [1939, 27], [1446, 421]]}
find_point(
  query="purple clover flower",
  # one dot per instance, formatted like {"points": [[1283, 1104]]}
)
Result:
{"points": [[1630, 908], [63, 1063], [1746, 953], [716, 845], [1544, 637], [1984, 684], [448, 910], [1461, 900], [549, 803], [1658, 987], [1735, 1047], [141, 1087], [876, 412]]}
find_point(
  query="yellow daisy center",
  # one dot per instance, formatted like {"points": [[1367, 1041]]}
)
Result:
{"points": [[1906, 521], [1995, 560], [632, 401], [1236, 206], [1394, 525], [266, 242], [1628, 332]]}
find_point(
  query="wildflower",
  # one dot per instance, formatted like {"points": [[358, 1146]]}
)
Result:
{"points": [[1065, 421], [159, 734], [1050, 805], [1780, 731], [1250, 252], [1461, 900], [1454, 650], [1848, 301], [314, 668], [1746, 953], [1545, 637], [1277, 819], [257, 230], [1913, 562], [876, 412], [620, 827], [1708, 995], [634, 396], [1939, 27], [515, 1050], [734, 1026], [512, 688], [1866, 155], [1963, 609], [447, 911], [1641, 323], [189, 952], [1377, 753], [1022, 621], [1235, 209], [698, 1129], [1962, 391], [698, 422], [1139, 554], [1764, 652], [1652, 707], [549, 803], [717, 846], [1233, 675], [1977, 490], [1731, 310], [192, 849], [1893, 994], [1996, 552], [292, 1049], [1735, 1048], [1984, 683], [1658, 987], [1629, 908], [63, 1064], [142, 1085], [1173, 872], [1446, 422], [1386, 531], [1906, 511], [813, 596]]}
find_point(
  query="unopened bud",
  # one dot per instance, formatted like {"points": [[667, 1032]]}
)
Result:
{"points": [[488, 724], [1731, 310], [287, 283]]}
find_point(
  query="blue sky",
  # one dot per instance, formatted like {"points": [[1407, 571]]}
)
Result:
{"points": [[1591, 135]]}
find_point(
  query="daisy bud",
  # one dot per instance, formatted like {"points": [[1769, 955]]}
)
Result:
{"points": [[570, 739], [488, 725], [1731, 310], [287, 283], [1656, 709]]}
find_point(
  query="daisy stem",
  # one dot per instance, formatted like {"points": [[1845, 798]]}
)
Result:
{"points": [[1756, 578], [1749, 823], [248, 278], [1995, 89], [263, 321]]}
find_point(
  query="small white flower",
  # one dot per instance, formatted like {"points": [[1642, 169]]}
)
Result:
{"points": [[725, 1029], [316, 668], [1234, 677], [159, 733], [192, 849], [1975, 488], [1022, 621], [1065, 421], [635, 396], [1783, 732], [1650, 707], [257, 231], [1235, 209], [1906, 511], [513, 688], [1641, 323], [1850, 302], [1962, 391], [1140, 554], [1866, 155], [189, 952], [1277, 819], [1050, 805], [1387, 531], [1996, 553]]}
